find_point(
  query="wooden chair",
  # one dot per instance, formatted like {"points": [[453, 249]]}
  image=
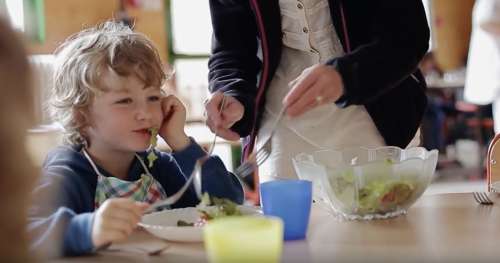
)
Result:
{"points": [[493, 162]]}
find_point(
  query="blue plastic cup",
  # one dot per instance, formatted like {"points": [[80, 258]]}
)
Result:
{"points": [[289, 200]]}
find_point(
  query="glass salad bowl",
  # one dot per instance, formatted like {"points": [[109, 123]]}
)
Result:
{"points": [[363, 183]]}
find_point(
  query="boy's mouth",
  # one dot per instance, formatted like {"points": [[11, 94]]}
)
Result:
{"points": [[143, 131]]}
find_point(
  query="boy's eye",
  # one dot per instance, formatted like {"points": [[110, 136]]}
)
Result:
{"points": [[154, 98], [124, 101]]}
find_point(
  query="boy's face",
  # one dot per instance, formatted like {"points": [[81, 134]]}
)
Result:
{"points": [[121, 116]]}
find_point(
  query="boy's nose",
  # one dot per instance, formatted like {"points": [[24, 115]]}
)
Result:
{"points": [[143, 113]]}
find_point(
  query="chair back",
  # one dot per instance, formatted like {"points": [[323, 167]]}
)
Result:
{"points": [[493, 162]]}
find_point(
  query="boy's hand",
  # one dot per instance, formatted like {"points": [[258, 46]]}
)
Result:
{"points": [[174, 119], [115, 220]]}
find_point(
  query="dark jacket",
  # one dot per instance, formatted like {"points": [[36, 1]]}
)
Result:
{"points": [[383, 41], [61, 217]]}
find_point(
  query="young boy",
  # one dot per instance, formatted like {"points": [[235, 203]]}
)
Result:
{"points": [[108, 97]]}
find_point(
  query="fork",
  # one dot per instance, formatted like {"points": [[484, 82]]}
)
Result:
{"points": [[195, 175], [175, 197], [482, 198], [260, 156], [140, 250]]}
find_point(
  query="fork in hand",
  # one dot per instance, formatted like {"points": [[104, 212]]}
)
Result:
{"points": [[482, 198], [195, 174], [260, 156]]}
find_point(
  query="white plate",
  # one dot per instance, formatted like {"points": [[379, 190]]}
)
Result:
{"points": [[163, 224], [495, 187]]}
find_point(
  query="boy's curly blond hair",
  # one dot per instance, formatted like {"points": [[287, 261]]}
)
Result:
{"points": [[81, 62]]}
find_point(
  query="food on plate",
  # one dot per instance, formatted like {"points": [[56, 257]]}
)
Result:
{"points": [[211, 207], [184, 223]]}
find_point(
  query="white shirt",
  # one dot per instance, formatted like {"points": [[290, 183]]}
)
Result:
{"points": [[309, 38]]}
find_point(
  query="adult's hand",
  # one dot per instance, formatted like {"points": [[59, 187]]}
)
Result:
{"points": [[220, 121], [316, 85]]}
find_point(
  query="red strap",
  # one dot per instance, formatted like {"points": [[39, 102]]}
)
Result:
{"points": [[344, 28], [254, 196]]}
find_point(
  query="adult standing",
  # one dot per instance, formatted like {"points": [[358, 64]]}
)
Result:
{"points": [[346, 71]]}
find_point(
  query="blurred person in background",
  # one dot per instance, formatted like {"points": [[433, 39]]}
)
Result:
{"points": [[434, 116], [18, 173], [482, 85]]}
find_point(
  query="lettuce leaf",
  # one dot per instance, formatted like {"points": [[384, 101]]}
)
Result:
{"points": [[153, 141]]}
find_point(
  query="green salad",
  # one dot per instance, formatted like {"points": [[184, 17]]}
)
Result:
{"points": [[153, 141], [377, 192], [211, 208]]}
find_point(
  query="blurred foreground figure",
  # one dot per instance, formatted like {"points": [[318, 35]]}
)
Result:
{"points": [[18, 172]]}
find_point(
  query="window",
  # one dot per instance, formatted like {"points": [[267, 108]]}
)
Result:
{"points": [[16, 13], [191, 36], [189, 49], [26, 16], [427, 6]]}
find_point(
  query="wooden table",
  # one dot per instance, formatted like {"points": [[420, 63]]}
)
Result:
{"points": [[438, 228]]}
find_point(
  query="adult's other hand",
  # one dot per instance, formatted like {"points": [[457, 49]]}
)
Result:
{"points": [[221, 120]]}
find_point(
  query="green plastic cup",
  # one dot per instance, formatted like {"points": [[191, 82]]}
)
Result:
{"points": [[244, 239]]}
